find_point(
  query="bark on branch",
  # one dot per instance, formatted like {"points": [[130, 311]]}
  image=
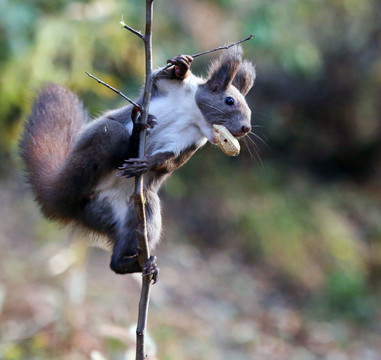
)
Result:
{"points": [[139, 194]]}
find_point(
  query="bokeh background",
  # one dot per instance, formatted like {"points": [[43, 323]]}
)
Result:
{"points": [[275, 254]]}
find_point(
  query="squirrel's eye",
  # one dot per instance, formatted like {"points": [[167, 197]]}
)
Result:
{"points": [[229, 101]]}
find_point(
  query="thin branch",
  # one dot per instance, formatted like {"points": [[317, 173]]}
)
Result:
{"points": [[223, 47], [144, 253], [129, 28], [115, 90], [205, 52], [159, 71]]}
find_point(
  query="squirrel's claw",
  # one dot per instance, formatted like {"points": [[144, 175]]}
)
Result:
{"points": [[150, 268], [182, 64], [134, 167], [151, 121]]}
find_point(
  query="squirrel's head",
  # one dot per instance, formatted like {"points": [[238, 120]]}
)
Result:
{"points": [[221, 98]]}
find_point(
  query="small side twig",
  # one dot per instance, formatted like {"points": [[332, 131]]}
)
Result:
{"points": [[225, 47], [129, 28], [115, 90], [222, 47]]}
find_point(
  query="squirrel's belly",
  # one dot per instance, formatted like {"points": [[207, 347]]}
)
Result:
{"points": [[116, 191]]}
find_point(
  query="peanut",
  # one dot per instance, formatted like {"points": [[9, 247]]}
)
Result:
{"points": [[225, 140]]}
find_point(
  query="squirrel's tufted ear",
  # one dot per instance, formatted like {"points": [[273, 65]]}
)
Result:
{"points": [[223, 70], [245, 77]]}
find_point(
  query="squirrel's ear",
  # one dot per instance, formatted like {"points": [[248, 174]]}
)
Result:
{"points": [[245, 77], [223, 70]]}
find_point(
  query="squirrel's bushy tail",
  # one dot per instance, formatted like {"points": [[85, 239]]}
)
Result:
{"points": [[56, 118]]}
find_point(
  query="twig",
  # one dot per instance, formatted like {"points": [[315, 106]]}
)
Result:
{"points": [[115, 90], [129, 28], [223, 47], [206, 52], [141, 232], [144, 253]]}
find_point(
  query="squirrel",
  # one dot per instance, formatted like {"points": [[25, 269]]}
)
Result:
{"points": [[72, 162]]}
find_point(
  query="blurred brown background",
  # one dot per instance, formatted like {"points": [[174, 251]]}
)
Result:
{"points": [[275, 254]]}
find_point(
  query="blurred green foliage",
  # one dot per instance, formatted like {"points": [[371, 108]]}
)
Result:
{"points": [[312, 209]]}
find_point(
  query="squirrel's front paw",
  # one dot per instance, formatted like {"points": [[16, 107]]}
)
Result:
{"points": [[135, 167], [182, 64]]}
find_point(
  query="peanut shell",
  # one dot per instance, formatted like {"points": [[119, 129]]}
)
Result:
{"points": [[225, 140]]}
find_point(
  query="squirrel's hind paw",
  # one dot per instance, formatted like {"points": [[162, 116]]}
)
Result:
{"points": [[150, 268]]}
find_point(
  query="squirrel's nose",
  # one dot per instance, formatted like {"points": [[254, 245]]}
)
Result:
{"points": [[242, 132], [245, 129]]}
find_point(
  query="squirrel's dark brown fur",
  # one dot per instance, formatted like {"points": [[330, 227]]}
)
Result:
{"points": [[72, 162]]}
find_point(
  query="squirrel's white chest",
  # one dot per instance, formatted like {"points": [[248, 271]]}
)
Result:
{"points": [[179, 120]]}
